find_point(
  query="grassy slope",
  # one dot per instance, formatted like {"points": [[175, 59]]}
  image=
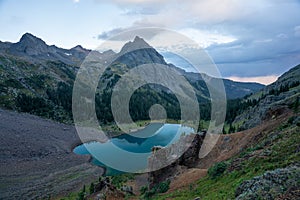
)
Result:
{"points": [[276, 150]]}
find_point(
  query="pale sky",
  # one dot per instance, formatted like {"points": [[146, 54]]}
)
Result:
{"points": [[248, 40]]}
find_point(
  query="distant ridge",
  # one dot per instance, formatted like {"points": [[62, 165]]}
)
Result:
{"points": [[34, 49], [133, 53]]}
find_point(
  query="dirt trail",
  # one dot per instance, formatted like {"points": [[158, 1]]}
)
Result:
{"points": [[37, 160]]}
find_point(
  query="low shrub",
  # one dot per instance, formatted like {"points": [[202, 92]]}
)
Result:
{"points": [[143, 189], [161, 187], [217, 170]]}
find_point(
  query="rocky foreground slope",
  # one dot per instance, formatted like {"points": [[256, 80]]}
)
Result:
{"points": [[36, 158], [270, 184]]}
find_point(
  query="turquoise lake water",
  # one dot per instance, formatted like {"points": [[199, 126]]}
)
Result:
{"points": [[140, 142]]}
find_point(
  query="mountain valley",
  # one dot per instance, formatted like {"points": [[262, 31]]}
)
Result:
{"points": [[256, 157]]}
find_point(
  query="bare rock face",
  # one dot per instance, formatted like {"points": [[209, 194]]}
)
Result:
{"points": [[31, 45], [105, 190], [170, 155], [139, 52], [191, 156]]}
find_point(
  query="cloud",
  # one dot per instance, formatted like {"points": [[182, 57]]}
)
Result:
{"points": [[108, 34], [128, 33], [138, 26], [203, 38], [266, 80], [245, 50], [76, 1], [132, 2], [141, 11], [206, 38], [297, 31], [244, 38], [275, 66], [189, 12]]}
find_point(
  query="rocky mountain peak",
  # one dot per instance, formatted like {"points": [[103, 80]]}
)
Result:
{"points": [[137, 43], [30, 45], [30, 39], [138, 52], [34, 49], [79, 48], [108, 52], [141, 41]]}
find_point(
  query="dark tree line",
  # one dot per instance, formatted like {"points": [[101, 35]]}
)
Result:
{"points": [[236, 106], [139, 105], [283, 88], [61, 96], [33, 105], [141, 101], [57, 104]]}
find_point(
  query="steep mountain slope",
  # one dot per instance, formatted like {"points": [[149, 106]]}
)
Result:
{"points": [[289, 78], [272, 100], [240, 157], [43, 89]]}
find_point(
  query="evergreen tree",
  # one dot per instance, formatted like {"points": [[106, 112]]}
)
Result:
{"points": [[199, 127], [296, 104], [231, 128], [83, 189], [92, 188], [224, 131]]}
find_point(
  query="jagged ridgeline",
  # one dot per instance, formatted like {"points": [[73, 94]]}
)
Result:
{"points": [[38, 79]]}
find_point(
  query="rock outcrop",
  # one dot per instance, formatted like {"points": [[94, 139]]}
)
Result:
{"points": [[270, 185], [191, 143]]}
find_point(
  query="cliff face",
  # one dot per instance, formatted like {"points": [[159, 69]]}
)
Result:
{"points": [[169, 155]]}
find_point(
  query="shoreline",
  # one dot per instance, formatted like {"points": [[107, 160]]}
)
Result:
{"points": [[90, 157], [115, 135], [79, 142]]}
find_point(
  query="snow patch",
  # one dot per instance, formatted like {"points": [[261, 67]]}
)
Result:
{"points": [[68, 54]]}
